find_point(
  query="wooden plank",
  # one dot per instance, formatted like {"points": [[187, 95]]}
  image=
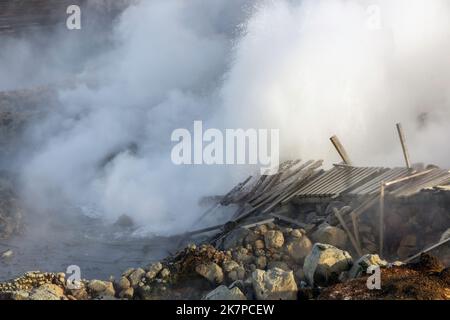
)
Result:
{"points": [[349, 234], [401, 135], [426, 250], [341, 150]]}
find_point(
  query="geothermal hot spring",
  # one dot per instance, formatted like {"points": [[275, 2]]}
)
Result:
{"points": [[94, 142]]}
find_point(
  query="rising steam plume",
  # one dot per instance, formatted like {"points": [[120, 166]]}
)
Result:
{"points": [[310, 68]]}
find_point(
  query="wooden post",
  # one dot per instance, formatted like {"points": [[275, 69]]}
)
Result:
{"points": [[381, 218], [401, 135], [340, 149], [349, 234]]}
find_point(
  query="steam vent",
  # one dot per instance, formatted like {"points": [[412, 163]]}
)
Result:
{"points": [[90, 196]]}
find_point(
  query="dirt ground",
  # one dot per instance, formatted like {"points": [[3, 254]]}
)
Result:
{"points": [[425, 280]]}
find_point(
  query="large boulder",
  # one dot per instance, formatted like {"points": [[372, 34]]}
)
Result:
{"points": [[100, 288], [211, 271], [273, 239], [330, 235], [224, 293], [136, 276], [274, 284], [364, 263], [325, 263], [298, 248], [47, 292]]}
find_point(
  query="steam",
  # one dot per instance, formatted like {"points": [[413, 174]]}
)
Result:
{"points": [[309, 68]]}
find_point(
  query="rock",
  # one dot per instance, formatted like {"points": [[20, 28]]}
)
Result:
{"points": [[128, 272], [230, 266], [261, 229], [251, 237], [165, 273], [259, 244], [396, 263], [101, 288], [127, 293], [79, 294], [278, 264], [235, 238], [153, 270], [297, 233], [224, 293], [20, 295], [344, 276], [123, 284], [240, 273], [136, 277], [242, 255], [274, 239], [211, 271], [47, 292], [299, 248], [233, 275], [300, 275], [365, 262], [261, 262], [124, 221], [325, 263], [331, 235], [274, 284], [145, 293]]}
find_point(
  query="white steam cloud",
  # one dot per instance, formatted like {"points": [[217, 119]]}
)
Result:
{"points": [[309, 68]]}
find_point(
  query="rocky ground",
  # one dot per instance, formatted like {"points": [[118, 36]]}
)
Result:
{"points": [[268, 262]]}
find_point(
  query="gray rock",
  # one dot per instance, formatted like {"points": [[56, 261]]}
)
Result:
{"points": [[273, 239], [224, 293], [330, 235], [124, 221], [274, 284], [365, 262], [325, 263], [211, 271]]}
